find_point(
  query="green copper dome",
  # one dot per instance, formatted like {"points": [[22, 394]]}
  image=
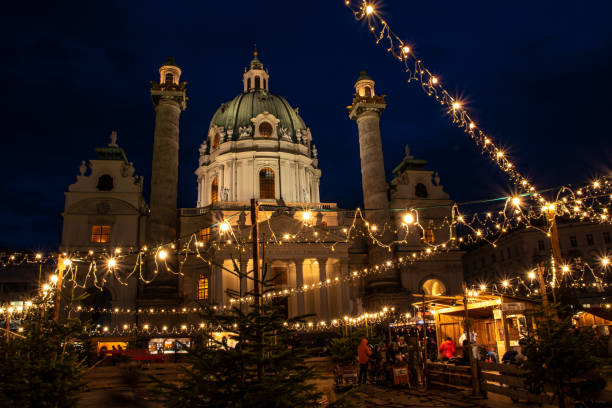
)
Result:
{"points": [[240, 110]]}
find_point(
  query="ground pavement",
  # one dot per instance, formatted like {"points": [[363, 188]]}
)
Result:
{"points": [[377, 396]]}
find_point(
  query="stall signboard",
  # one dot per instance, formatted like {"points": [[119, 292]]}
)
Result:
{"points": [[513, 307]]}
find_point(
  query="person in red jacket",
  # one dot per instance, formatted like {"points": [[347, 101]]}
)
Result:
{"points": [[364, 352], [447, 348]]}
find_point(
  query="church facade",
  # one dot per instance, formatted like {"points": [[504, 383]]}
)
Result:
{"points": [[257, 147]]}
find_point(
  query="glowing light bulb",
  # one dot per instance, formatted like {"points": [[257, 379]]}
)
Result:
{"points": [[112, 263], [46, 287], [483, 287], [38, 256], [53, 279], [500, 154], [516, 201], [67, 262], [434, 80], [408, 218], [117, 250], [456, 105], [472, 126], [125, 326], [286, 236], [605, 261], [306, 215], [369, 9], [531, 275], [224, 226], [374, 227], [146, 327], [406, 49], [505, 283], [162, 254], [565, 268], [105, 329]]}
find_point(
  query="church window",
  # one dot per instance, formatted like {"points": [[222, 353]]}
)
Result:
{"points": [[257, 82], [105, 182], [278, 274], [434, 287], [169, 78], [265, 83], [420, 190], [265, 129], [216, 140], [204, 234], [100, 233], [368, 92], [428, 236], [248, 84], [266, 183], [214, 191], [203, 287]]}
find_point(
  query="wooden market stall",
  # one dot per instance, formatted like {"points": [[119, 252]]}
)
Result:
{"points": [[497, 320]]}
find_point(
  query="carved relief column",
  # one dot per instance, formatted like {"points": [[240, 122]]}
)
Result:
{"points": [[299, 283], [324, 314]]}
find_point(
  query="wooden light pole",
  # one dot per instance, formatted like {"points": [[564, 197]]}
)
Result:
{"points": [[61, 265], [256, 286], [475, 382]]}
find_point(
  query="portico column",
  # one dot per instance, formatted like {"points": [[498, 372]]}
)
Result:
{"points": [[344, 274], [244, 307], [218, 273], [323, 277], [299, 283]]}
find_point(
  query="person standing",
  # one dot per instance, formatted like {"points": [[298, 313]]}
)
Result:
{"points": [[447, 349], [363, 352]]}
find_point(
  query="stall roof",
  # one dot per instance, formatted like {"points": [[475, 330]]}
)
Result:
{"points": [[478, 304]]}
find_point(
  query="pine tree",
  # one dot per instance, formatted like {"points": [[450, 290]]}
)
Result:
{"points": [[264, 369], [42, 368], [558, 354]]}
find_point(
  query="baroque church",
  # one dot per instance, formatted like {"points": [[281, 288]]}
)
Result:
{"points": [[257, 147]]}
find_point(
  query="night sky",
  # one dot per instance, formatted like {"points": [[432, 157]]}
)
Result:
{"points": [[536, 76]]}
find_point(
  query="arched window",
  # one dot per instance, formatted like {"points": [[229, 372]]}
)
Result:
{"points": [[248, 84], [368, 92], [420, 190], [169, 78], [265, 83], [216, 140], [257, 82], [214, 191], [105, 182], [203, 287], [265, 129], [266, 183], [434, 287]]}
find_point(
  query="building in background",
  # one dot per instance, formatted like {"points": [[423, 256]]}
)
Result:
{"points": [[257, 146]]}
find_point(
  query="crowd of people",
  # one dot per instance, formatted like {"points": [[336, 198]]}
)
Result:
{"points": [[405, 347]]}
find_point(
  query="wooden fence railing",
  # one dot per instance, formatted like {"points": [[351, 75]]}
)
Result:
{"points": [[509, 380]]}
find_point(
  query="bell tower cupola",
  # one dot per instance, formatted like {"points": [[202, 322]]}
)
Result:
{"points": [[169, 73], [255, 78]]}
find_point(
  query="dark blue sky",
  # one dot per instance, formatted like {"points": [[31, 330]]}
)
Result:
{"points": [[536, 76]]}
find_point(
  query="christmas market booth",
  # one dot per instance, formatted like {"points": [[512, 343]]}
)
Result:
{"points": [[497, 321]]}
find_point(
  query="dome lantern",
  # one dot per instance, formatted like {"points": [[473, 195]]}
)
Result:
{"points": [[255, 78]]}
